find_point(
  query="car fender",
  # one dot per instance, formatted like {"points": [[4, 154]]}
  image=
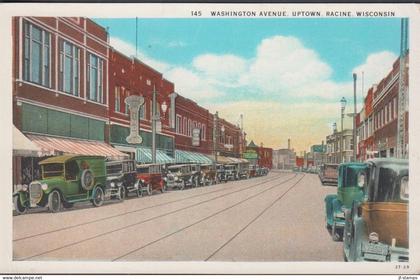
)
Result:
{"points": [[329, 208], [23, 197]]}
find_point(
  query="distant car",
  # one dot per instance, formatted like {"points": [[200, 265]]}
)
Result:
{"points": [[243, 170], [182, 175], [220, 173], [252, 170], [149, 178], [329, 174], [121, 178], [351, 181], [207, 175], [231, 172], [376, 228], [65, 180]]}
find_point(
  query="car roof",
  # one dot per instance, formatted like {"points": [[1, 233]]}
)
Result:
{"points": [[389, 162], [68, 157]]}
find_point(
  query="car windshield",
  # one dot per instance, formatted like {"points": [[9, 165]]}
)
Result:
{"points": [[53, 170], [389, 185], [350, 176], [114, 169]]}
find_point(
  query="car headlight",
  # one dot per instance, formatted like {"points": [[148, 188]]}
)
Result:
{"points": [[23, 188], [165, 179], [142, 180], [119, 184], [44, 186], [176, 177], [112, 184]]}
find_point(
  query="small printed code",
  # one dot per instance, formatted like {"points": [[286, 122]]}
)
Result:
{"points": [[22, 277]]}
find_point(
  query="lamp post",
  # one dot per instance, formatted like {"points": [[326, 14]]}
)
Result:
{"points": [[354, 118], [155, 118], [343, 102], [215, 121]]}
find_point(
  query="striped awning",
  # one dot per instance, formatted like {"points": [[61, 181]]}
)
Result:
{"points": [[191, 157], [144, 155], [229, 160], [22, 146], [58, 146]]}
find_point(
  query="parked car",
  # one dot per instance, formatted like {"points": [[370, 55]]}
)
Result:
{"points": [[220, 173], [182, 175], [149, 178], [252, 170], [376, 228], [65, 180], [121, 178], [231, 172], [243, 170], [351, 181], [329, 174], [207, 175], [264, 171]]}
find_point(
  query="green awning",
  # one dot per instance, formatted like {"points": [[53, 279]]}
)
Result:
{"points": [[191, 157], [144, 155]]}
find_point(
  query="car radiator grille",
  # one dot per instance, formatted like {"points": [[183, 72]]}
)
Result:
{"points": [[35, 193]]}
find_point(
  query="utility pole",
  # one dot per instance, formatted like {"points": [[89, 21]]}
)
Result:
{"points": [[354, 118], [402, 94], [154, 125], [215, 120]]}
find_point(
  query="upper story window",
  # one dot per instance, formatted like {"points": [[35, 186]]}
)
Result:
{"points": [[148, 82], [95, 78], [203, 132], [69, 68], [36, 62], [117, 102], [178, 124], [142, 114], [127, 94]]}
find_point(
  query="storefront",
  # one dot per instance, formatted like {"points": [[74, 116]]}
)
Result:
{"points": [[191, 157]]}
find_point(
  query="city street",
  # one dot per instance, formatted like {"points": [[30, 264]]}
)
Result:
{"points": [[279, 217]]}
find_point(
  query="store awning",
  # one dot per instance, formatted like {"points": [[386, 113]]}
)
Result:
{"points": [[22, 146], [57, 146], [191, 157], [229, 160], [144, 155]]}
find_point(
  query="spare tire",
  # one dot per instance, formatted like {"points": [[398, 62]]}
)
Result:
{"points": [[87, 179]]}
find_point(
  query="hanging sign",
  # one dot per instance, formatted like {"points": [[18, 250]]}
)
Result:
{"points": [[196, 137], [134, 102]]}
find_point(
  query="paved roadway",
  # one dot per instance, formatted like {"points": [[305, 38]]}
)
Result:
{"points": [[279, 217]]}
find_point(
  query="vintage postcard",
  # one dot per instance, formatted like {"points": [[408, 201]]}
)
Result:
{"points": [[216, 138]]}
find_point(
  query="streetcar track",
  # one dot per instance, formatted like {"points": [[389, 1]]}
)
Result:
{"points": [[206, 218], [253, 220], [134, 211], [152, 218]]}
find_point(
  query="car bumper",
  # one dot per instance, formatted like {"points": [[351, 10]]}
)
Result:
{"points": [[381, 253]]}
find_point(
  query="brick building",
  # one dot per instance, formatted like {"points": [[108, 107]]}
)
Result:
{"points": [[385, 116], [130, 76], [60, 88], [264, 156], [364, 126]]}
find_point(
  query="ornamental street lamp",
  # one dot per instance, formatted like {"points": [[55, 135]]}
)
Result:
{"points": [[343, 103], [155, 118]]}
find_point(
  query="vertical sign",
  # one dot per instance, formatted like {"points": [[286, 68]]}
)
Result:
{"points": [[196, 137], [134, 102]]}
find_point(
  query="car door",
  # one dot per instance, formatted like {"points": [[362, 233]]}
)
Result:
{"points": [[73, 189]]}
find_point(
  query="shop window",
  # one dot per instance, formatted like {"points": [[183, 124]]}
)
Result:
{"points": [[36, 61]]}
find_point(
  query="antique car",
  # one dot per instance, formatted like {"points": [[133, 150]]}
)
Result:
{"points": [[264, 171], [328, 174], [243, 170], [252, 170], [182, 175], [65, 180], [149, 178], [220, 173], [121, 179], [231, 172], [376, 227], [207, 175], [351, 181]]}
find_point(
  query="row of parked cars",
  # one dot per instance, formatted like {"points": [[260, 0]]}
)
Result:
{"points": [[369, 213], [69, 179]]}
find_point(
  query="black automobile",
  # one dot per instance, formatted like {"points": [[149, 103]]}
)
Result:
{"points": [[121, 178]]}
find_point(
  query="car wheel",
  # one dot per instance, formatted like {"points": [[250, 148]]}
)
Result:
{"points": [[122, 193], [98, 196], [183, 185], [20, 209], [149, 189], [54, 202], [139, 192], [163, 189], [335, 233]]}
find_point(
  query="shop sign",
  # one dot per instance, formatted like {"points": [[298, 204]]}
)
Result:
{"points": [[134, 102], [250, 154], [196, 137]]}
